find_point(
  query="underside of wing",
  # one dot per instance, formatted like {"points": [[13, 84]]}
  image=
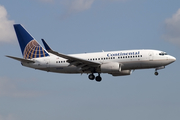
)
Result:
{"points": [[82, 64]]}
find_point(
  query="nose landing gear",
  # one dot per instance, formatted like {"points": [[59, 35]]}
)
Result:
{"points": [[156, 73], [158, 68]]}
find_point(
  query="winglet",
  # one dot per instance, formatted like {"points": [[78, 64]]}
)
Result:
{"points": [[46, 45]]}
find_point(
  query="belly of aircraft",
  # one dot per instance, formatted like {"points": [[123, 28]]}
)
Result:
{"points": [[127, 65]]}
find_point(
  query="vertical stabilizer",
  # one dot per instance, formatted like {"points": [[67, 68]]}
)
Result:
{"points": [[30, 48]]}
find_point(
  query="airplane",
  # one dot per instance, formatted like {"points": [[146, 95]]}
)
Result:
{"points": [[116, 63]]}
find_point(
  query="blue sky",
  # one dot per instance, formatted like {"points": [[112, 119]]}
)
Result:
{"points": [[78, 26]]}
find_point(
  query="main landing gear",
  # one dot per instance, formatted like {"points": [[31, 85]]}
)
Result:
{"points": [[92, 77]]}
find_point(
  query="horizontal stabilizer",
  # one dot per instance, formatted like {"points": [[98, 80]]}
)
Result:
{"points": [[21, 59]]}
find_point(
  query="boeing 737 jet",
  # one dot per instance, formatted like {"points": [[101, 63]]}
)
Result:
{"points": [[116, 63]]}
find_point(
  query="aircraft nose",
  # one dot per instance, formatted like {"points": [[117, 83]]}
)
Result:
{"points": [[172, 58]]}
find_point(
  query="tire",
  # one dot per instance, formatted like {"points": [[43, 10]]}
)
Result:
{"points": [[156, 73], [91, 77], [98, 78]]}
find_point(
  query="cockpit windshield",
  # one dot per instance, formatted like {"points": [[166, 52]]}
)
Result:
{"points": [[163, 53]]}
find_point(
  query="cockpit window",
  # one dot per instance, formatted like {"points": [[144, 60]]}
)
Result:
{"points": [[163, 53]]}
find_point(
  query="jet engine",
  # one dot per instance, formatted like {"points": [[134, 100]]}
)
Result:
{"points": [[114, 69]]}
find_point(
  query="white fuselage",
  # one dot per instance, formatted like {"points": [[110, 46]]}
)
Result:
{"points": [[116, 63], [128, 59]]}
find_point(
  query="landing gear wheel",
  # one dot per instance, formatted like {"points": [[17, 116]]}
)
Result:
{"points": [[91, 76], [98, 78], [156, 73]]}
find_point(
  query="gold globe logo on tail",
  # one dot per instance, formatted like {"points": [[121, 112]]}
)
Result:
{"points": [[34, 50]]}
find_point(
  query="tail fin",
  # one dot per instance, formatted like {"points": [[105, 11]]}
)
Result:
{"points": [[29, 46]]}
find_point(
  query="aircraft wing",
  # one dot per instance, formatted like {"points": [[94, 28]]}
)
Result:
{"points": [[78, 62], [21, 59]]}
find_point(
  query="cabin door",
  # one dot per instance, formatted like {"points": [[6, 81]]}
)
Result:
{"points": [[47, 62], [150, 56]]}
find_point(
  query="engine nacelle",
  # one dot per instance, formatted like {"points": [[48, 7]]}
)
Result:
{"points": [[121, 73], [112, 67]]}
